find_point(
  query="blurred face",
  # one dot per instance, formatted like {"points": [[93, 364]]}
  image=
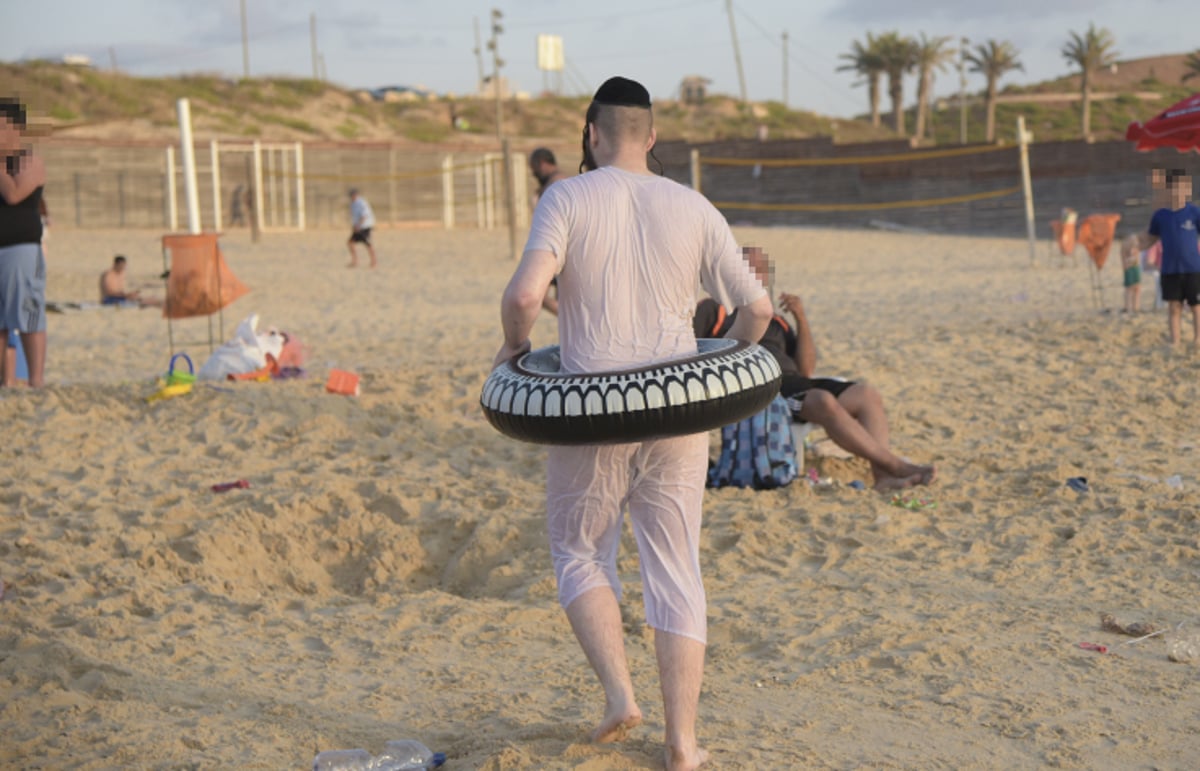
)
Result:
{"points": [[10, 136], [1181, 189], [756, 258]]}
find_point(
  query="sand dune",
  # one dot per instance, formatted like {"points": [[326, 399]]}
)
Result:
{"points": [[386, 574]]}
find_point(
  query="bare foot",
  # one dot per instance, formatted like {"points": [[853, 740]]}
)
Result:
{"points": [[616, 725], [678, 760], [907, 475]]}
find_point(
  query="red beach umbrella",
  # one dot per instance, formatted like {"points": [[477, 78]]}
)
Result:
{"points": [[1177, 126]]}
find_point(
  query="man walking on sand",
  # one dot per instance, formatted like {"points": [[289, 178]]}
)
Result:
{"points": [[628, 248], [362, 219]]}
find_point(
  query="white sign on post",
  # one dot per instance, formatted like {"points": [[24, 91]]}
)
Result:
{"points": [[550, 53]]}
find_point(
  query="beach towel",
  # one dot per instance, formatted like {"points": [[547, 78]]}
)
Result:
{"points": [[757, 452]]}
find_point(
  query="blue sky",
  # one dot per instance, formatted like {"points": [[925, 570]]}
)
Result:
{"points": [[427, 42]]}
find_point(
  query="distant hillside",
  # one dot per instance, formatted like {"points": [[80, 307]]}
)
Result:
{"points": [[1130, 81], [81, 102]]}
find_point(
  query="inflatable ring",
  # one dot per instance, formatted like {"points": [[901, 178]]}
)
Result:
{"points": [[527, 398]]}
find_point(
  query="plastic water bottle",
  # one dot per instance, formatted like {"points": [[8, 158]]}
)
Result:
{"points": [[397, 755], [407, 755], [1183, 644], [343, 760]]}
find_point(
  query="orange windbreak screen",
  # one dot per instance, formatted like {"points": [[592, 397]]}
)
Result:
{"points": [[200, 282], [1096, 234]]}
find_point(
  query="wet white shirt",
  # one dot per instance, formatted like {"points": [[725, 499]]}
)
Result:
{"points": [[631, 249]]}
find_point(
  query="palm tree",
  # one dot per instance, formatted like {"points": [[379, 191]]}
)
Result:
{"points": [[899, 56], [931, 54], [864, 60], [1089, 52], [1192, 63], [993, 59]]}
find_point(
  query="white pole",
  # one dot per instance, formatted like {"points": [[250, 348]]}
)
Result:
{"points": [[448, 192], [285, 188], [1023, 139], [300, 186], [480, 215], [271, 183], [215, 154], [172, 198], [184, 111], [695, 163], [489, 190], [258, 185]]}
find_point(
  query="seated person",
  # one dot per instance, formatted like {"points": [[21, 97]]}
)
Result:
{"points": [[112, 288], [851, 413]]}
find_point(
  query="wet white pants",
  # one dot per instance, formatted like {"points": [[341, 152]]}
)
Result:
{"points": [[661, 482]]}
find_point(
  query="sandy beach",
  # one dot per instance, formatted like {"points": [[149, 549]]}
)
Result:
{"points": [[386, 574]]}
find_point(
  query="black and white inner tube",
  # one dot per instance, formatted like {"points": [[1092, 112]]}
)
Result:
{"points": [[527, 398]]}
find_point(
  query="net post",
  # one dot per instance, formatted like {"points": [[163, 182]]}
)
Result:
{"points": [[258, 188], [1023, 139], [301, 213], [214, 154], [184, 114], [694, 158], [448, 192]]}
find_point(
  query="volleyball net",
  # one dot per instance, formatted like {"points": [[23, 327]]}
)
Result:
{"points": [[961, 188]]}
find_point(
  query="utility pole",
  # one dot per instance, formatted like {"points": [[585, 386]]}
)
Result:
{"points": [[737, 52], [497, 63], [112, 58], [479, 58], [245, 45], [962, 90], [312, 33], [785, 70]]}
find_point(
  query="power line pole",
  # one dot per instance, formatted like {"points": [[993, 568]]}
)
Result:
{"points": [[497, 63], [962, 90], [478, 57], [112, 57], [245, 45], [737, 52], [785, 70], [312, 33]]}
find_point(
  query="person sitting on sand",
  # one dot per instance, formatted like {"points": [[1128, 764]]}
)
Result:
{"points": [[851, 412], [112, 288]]}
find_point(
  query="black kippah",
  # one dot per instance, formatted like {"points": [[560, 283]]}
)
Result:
{"points": [[622, 92]]}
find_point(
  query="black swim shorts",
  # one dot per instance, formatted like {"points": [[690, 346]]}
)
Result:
{"points": [[795, 387], [361, 236], [1181, 287]]}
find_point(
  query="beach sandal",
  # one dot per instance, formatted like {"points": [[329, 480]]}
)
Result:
{"points": [[913, 504]]}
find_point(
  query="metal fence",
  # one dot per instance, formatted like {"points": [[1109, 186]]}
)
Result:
{"points": [[133, 185]]}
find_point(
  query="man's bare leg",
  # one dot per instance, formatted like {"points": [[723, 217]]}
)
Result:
{"points": [[8, 365], [35, 356], [1174, 320], [595, 618], [680, 671], [1196, 327], [865, 404], [891, 472], [353, 256]]}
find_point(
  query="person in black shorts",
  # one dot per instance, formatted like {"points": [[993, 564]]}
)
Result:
{"points": [[851, 412], [1177, 225]]}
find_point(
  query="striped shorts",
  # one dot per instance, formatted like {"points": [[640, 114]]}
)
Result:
{"points": [[23, 288]]}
